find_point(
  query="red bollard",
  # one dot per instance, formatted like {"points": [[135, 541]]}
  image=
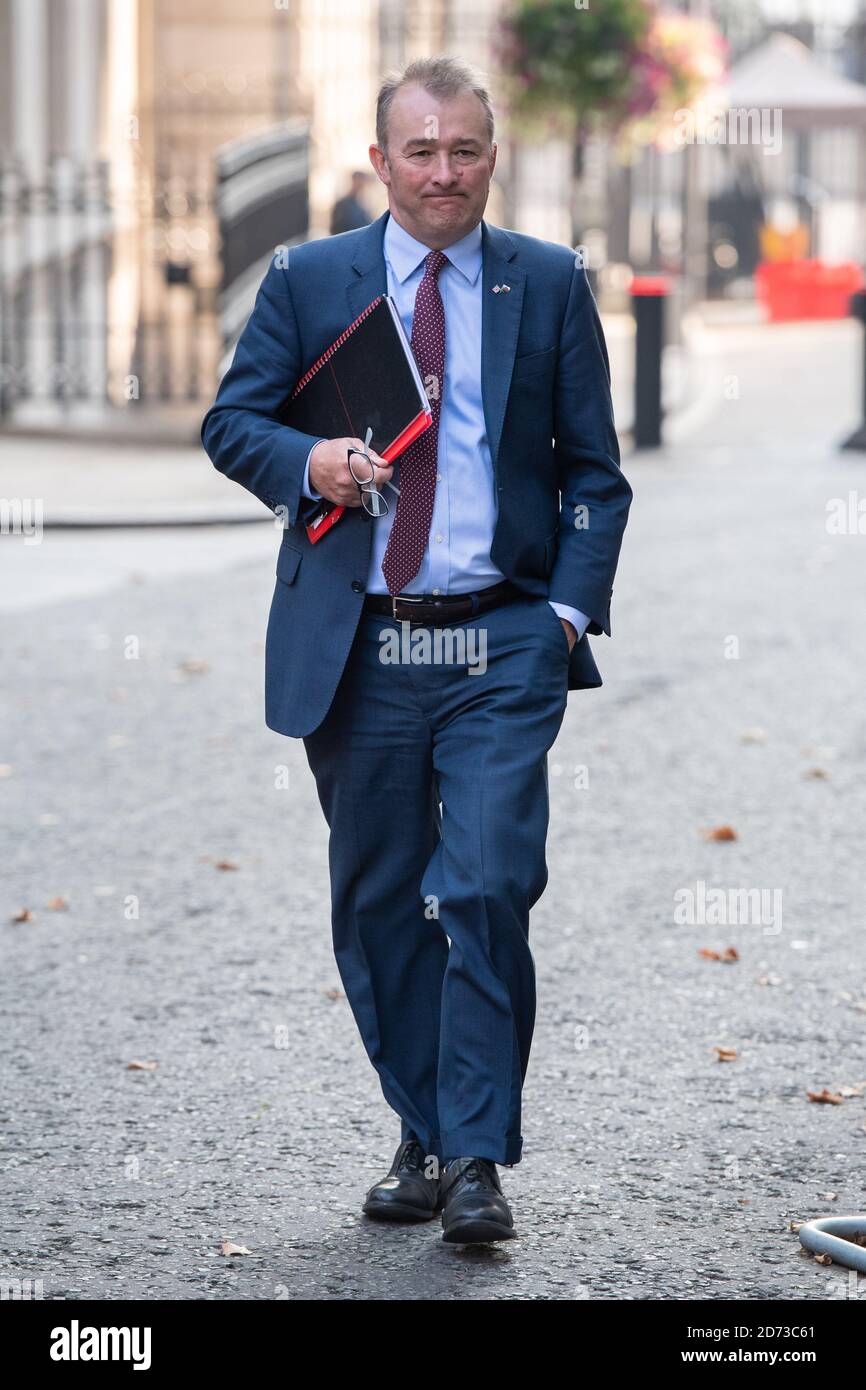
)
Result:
{"points": [[648, 299]]}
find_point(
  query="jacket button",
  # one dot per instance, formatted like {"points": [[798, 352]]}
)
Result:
{"points": [[357, 586]]}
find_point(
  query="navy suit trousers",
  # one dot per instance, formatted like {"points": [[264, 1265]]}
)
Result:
{"points": [[432, 774]]}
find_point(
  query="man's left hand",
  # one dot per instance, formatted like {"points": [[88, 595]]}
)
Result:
{"points": [[570, 632]]}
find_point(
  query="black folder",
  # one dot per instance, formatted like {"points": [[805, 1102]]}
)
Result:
{"points": [[367, 378]]}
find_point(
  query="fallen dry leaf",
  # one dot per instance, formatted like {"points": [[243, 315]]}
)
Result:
{"points": [[57, 904], [25, 915], [142, 1066], [228, 1247], [729, 954], [225, 864], [823, 1260], [334, 994], [826, 1097], [720, 832], [726, 1054], [819, 774]]}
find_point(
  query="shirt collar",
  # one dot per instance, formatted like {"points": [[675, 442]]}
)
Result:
{"points": [[406, 254]]}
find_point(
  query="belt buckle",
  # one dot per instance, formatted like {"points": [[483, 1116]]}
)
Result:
{"points": [[405, 598]]}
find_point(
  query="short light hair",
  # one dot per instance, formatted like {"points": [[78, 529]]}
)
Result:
{"points": [[443, 78]]}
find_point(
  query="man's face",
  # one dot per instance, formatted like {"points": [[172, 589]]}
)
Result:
{"points": [[438, 165]]}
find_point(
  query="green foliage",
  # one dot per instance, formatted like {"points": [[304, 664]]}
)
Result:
{"points": [[572, 64]]}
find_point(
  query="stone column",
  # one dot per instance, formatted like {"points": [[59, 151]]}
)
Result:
{"points": [[89, 303], [30, 147]]}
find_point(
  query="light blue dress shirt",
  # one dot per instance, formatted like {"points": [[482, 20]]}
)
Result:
{"points": [[457, 557]]}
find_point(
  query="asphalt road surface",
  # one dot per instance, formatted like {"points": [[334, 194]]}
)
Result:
{"points": [[136, 763]]}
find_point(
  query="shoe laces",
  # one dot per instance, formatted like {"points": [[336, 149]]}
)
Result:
{"points": [[412, 1156], [477, 1171]]}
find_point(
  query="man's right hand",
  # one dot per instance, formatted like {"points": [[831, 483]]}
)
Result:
{"points": [[329, 471]]}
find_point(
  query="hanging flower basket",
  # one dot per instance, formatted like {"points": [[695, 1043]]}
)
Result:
{"points": [[620, 66]]}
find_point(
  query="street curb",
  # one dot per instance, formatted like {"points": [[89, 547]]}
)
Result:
{"points": [[116, 523]]}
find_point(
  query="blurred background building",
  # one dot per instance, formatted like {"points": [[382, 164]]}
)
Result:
{"points": [[154, 152]]}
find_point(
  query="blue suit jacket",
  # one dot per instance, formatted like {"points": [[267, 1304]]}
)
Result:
{"points": [[547, 406]]}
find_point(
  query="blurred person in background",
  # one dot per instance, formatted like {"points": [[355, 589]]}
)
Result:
{"points": [[349, 213]]}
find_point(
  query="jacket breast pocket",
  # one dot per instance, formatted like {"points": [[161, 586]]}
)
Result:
{"points": [[288, 560], [533, 364]]}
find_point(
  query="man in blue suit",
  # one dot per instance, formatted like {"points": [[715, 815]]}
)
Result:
{"points": [[503, 534]]}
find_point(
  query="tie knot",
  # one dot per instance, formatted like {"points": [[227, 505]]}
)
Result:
{"points": [[434, 261]]}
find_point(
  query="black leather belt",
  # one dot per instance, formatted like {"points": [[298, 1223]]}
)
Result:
{"points": [[437, 610]]}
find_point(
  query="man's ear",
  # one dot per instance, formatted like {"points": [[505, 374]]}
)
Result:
{"points": [[379, 162]]}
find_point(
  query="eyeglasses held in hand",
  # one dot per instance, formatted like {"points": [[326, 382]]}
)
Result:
{"points": [[363, 470]]}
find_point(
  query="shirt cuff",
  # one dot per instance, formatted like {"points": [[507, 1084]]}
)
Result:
{"points": [[578, 620], [306, 489]]}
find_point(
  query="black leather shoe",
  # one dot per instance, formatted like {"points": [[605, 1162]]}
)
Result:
{"points": [[473, 1207], [406, 1194]]}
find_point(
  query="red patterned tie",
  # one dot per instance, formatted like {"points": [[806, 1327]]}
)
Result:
{"points": [[411, 529]]}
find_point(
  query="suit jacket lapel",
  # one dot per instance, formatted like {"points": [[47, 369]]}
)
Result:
{"points": [[370, 277], [500, 324]]}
